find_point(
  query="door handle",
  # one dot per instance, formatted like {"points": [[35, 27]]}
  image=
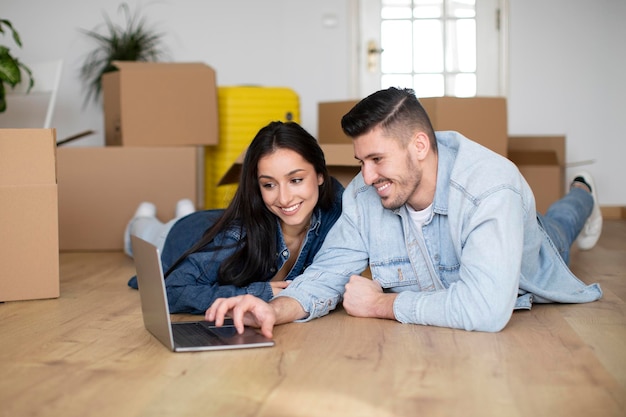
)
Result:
{"points": [[373, 54]]}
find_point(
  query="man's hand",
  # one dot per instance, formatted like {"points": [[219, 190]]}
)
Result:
{"points": [[364, 297], [245, 310]]}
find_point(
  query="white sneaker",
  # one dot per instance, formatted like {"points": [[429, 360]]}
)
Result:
{"points": [[184, 207], [592, 229], [145, 209]]}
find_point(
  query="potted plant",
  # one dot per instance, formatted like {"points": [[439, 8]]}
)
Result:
{"points": [[133, 42], [10, 67]]}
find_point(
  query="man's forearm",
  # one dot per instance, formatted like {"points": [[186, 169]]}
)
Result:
{"points": [[287, 309]]}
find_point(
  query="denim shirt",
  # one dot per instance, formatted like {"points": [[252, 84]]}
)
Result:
{"points": [[481, 254], [193, 286]]}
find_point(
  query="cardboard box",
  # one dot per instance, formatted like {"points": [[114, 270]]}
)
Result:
{"points": [[329, 116], [101, 187], [482, 119], [339, 160], [541, 160], [29, 268], [160, 104]]}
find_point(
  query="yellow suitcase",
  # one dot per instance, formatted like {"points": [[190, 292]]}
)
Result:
{"points": [[242, 111]]}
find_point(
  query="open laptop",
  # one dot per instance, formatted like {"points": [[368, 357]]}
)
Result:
{"points": [[181, 336]]}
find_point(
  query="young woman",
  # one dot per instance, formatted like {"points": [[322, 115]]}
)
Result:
{"points": [[285, 204]]}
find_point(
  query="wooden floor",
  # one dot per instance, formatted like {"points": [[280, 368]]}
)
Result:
{"points": [[87, 354]]}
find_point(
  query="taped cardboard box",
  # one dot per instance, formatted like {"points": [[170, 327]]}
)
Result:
{"points": [[541, 160], [339, 161], [482, 119], [160, 104], [28, 215], [101, 187]]}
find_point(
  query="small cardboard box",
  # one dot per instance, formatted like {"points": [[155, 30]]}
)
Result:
{"points": [[160, 104], [541, 160], [339, 160], [29, 268], [101, 187], [482, 119]]}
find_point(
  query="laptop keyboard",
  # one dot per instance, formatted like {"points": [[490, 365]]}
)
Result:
{"points": [[196, 334]]}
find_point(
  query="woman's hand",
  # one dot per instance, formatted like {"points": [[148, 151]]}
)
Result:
{"points": [[278, 286], [248, 310], [245, 310]]}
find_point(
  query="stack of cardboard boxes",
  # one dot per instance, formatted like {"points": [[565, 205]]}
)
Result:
{"points": [[28, 215], [158, 118]]}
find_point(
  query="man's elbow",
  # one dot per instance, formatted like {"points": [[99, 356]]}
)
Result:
{"points": [[491, 323]]}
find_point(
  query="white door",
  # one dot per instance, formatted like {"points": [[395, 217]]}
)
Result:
{"points": [[437, 47]]}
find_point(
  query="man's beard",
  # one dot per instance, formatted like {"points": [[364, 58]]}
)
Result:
{"points": [[399, 198]]}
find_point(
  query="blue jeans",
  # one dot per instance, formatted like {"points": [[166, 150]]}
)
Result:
{"points": [[565, 219]]}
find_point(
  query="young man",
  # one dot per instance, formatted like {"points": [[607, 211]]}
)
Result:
{"points": [[447, 227]]}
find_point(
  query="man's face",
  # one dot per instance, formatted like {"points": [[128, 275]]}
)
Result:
{"points": [[388, 166]]}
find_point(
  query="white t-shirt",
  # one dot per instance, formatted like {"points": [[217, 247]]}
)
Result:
{"points": [[420, 217]]}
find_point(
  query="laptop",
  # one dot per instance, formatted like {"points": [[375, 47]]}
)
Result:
{"points": [[187, 336]]}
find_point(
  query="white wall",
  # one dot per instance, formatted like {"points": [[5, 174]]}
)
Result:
{"points": [[568, 76], [269, 43], [566, 62]]}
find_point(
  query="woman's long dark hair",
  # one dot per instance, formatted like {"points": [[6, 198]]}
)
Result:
{"points": [[256, 251]]}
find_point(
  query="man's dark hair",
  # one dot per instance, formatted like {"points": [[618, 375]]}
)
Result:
{"points": [[397, 111]]}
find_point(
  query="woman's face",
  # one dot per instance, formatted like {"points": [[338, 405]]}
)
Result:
{"points": [[289, 186]]}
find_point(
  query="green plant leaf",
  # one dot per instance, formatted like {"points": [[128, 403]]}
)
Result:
{"points": [[16, 36], [9, 68], [3, 101], [134, 41]]}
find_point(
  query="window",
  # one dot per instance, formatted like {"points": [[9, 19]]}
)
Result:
{"points": [[429, 45], [437, 47]]}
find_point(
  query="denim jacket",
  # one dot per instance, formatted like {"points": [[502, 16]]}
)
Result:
{"points": [[192, 286], [480, 255]]}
